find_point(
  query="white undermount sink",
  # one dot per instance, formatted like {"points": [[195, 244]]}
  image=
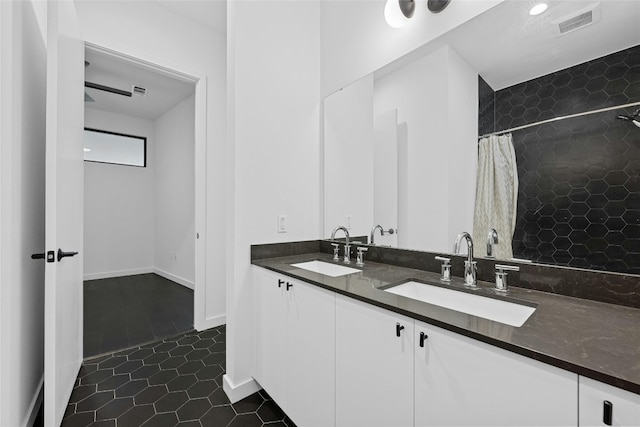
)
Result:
{"points": [[497, 310], [326, 268]]}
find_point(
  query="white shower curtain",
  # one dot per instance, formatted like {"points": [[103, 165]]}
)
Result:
{"points": [[496, 194]]}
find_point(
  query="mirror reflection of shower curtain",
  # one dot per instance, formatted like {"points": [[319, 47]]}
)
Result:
{"points": [[496, 194]]}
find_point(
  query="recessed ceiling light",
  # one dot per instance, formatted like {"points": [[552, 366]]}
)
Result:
{"points": [[398, 12], [86, 150], [538, 9]]}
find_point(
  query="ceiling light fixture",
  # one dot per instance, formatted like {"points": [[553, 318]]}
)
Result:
{"points": [[398, 12], [538, 9], [437, 6], [86, 150]]}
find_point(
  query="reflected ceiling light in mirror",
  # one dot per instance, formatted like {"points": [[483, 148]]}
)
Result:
{"points": [[398, 12], [538, 9]]}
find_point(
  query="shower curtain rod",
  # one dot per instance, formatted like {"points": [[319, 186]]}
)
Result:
{"points": [[555, 119]]}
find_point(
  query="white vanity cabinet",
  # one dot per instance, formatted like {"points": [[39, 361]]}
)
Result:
{"points": [[374, 366], [462, 381], [601, 405], [328, 359], [295, 347]]}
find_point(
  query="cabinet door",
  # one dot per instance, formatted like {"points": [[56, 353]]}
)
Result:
{"points": [[271, 334], [374, 367], [311, 355], [461, 381], [625, 406]]}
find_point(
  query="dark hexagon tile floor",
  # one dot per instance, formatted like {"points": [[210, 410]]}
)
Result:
{"points": [[173, 382]]}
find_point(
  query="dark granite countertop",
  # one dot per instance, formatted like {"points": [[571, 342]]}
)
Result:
{"points": [[593, 339]]}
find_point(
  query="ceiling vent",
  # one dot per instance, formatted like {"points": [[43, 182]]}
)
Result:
{"points": [[138, 90], [578, 19]]}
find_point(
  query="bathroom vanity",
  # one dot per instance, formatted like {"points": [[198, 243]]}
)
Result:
{"points": [[336, 349]]}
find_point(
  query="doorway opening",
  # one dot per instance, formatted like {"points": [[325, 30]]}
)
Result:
{"points": [[139, 214]]}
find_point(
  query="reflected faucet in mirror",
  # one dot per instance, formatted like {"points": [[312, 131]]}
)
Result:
{"points": [[347, 246], [373, 232], [492, 239], [382, 233], [470, 267]]}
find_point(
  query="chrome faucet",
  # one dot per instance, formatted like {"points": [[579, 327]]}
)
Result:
{"points": [[469, 265], [492, 239], [373, 231], [347, 246]]}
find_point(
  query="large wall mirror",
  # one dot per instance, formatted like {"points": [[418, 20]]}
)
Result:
{"points": [[401, 145]]}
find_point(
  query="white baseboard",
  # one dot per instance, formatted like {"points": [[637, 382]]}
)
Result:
{"points": [[237, 392], [34, 407], [121, 273], [179, 280], [210, 322]]}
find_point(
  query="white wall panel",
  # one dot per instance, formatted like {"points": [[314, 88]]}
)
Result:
{"points": [[274, 128]]}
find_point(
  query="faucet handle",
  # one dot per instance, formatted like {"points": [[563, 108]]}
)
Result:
{"points": [[445, 269], [347, 253], [360, 255], [503, 268], [336, 248], [501, 276]]}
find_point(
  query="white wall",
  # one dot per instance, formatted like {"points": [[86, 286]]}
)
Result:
{"points": [[174, 212], [436, 98], [356, 39], [119, 204], [152, 33], [348, 154], [274, 128], [418, 92], [463, 152], [385, 176], [22, 150]]}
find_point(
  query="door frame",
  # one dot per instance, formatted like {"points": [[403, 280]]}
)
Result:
{"points": [[200, 170]]}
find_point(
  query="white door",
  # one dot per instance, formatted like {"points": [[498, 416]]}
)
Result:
{"points": [[462, 382], [271, 337], [601, 405], [64, 206], [311, 353], [374, 366]]}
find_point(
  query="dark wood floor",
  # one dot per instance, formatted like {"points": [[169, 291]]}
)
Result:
{"points": [[123, 312]]}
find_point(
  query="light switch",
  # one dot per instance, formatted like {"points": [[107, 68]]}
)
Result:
{"points": [[282, 223]]}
